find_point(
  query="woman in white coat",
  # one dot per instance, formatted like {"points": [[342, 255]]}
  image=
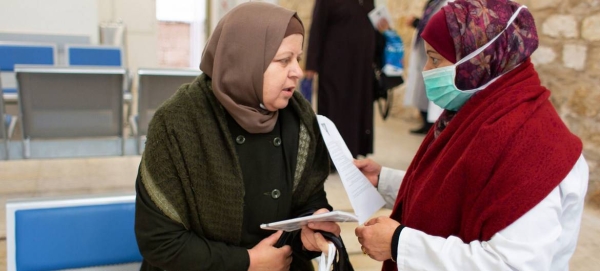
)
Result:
{"points": [[499, 182]]}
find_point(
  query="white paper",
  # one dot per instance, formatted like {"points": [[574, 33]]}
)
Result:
{"points": [[364, 198], [379, 13], [297, 223]]}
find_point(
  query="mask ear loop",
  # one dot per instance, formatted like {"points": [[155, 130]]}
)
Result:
{"points": [[478, 51]]}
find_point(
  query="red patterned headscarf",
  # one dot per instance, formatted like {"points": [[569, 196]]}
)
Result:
{"points": [[473, 23]]}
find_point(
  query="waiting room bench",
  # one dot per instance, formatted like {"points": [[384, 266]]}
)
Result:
{"points": [[72, 233]]}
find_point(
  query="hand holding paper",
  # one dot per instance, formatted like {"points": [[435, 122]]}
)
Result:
{"points": [[379, 13], [308, 234], [364, 198], [297, 223]]}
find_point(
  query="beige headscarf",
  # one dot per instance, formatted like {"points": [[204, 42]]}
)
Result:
{"points": [[239, 51]]}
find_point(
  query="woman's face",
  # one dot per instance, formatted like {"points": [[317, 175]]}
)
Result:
{"points": [[281, 77], [434, 59]]}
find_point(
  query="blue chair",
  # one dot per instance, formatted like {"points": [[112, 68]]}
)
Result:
{"points": [[12, 53], [99, 55], [60, 40], [67, 233], [154, 87], [94, 55]]}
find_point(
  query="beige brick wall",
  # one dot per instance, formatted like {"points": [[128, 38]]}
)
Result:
{"points": [[568, 61], [173, 44]]}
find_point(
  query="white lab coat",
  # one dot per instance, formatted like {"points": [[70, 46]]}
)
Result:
{"points": [[544, 238]]}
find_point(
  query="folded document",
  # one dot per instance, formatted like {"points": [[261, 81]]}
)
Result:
{"points": [[297, 223]]}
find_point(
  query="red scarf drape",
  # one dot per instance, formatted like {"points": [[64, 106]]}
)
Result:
{"points": [[501, 155]]}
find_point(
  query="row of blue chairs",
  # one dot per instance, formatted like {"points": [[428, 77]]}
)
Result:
{"points": [[18, 53], [15, 53], [57, 101], [74, 103]]}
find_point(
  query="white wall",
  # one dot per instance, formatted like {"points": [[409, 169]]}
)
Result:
{"points": [[71, 17], [220, 7], [82, 17], [139, 17]]}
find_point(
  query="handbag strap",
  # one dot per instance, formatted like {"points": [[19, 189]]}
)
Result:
{"points": [[342, 260]]}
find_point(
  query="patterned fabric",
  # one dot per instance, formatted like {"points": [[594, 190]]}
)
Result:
{"points": [[472, 23], [303, 148], [443, 121], [431, 6]]}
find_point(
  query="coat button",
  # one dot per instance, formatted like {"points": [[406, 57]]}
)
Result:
{"points": [[277, 142], [240, 139], [275, 193]]}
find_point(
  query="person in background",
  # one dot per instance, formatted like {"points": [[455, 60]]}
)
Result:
{"points": [[415, 88], [235, 148], [499, 183], [341, 50]]}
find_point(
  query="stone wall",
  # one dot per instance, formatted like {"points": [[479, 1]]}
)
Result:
{"points": [[568, 61]]}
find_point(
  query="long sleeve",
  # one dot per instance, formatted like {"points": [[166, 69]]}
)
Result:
{"points": [[389, 184], [318, 33], [542, 239], [316, 201], [165, 243]]}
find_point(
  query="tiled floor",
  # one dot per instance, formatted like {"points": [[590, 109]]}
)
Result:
{"points": [[394, 147]]}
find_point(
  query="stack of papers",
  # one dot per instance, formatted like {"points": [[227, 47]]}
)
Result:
{"points": [[297, 223]]}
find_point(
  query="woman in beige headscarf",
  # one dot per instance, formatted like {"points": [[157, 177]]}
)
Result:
{"points": [[235, 148]]}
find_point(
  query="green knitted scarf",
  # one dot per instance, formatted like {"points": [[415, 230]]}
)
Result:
{"points": [[191, 170]]}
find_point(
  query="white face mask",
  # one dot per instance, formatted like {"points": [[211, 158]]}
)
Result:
{"points": [[440, 83]]}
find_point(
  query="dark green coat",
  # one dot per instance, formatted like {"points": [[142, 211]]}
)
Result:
{"points": [[192, 188]]}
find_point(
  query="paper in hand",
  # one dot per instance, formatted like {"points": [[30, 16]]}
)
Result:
{"points": [[297, 223], [379, 13], [364, 198]]}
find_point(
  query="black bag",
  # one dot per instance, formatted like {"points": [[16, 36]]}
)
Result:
{"points": [[341, 262], [383, 87]]}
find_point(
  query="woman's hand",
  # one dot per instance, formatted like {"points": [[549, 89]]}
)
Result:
{"points": [[410, 20], [322, 243], [264, 256], [370, 169], [376, 237], [383, 25], [314, 241]]}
